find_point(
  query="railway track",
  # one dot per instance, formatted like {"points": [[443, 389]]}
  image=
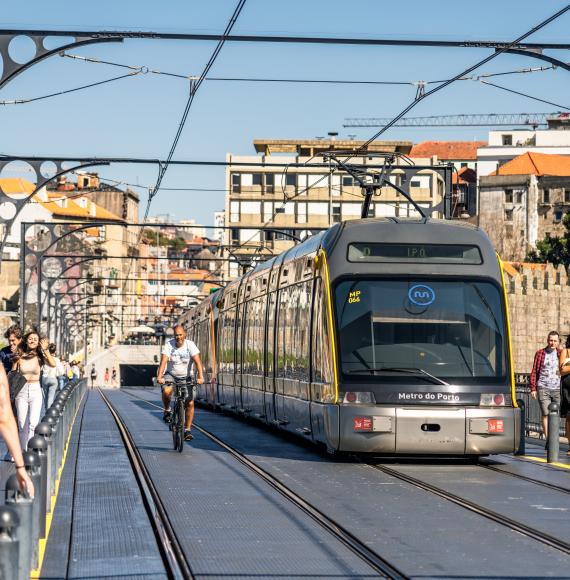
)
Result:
{"points": [[176, 565], [546, 484], [494, 516], [380, 565]]}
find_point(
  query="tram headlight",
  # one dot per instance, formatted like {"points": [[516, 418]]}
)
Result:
{"points": [[359, 397], [495, 400]]}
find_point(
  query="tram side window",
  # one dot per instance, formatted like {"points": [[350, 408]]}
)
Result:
{"points": [[294, 330], [254, 326], [204, 344], [303, 331], [227, 329], [281, 359], [322, 358]]}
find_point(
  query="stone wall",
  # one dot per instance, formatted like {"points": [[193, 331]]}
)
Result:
{"points": [[539, 301]]}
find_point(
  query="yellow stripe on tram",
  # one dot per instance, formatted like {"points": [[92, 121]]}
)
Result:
{"points": [[513, 385], [332, 332]]}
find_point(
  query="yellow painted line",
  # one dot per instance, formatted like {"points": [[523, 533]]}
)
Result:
{"points": [[36, 574], [542, 460]]}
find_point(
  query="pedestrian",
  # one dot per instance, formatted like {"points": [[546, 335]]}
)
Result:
{"points": [[114, 380], [565, 387], [9, 432], [49, 379], [31, 356], [93, 376], [545, 377], [75, 372], [14, 337], [106, 377], [61, 373]]}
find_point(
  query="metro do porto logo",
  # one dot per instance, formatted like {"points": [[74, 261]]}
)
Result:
{"points": [[421, 295]]}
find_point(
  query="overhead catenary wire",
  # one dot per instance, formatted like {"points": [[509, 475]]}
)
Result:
{"points": [[149, 70], [68, 91], [194, 87], [526, 95], [466, 72]]}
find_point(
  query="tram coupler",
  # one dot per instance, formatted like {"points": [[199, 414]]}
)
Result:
{"points": [[553, 441]]}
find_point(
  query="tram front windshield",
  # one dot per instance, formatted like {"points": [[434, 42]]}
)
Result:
{"points": [[453, 330]]}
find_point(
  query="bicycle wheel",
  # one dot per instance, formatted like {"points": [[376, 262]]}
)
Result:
{"points": [[174, 427], [180, 416]]}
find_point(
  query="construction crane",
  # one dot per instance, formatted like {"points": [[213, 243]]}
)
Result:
{"points": [[533, 120]]}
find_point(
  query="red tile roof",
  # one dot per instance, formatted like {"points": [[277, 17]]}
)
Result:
{"points": [[448, 150], [464, 175], [536, 164]]}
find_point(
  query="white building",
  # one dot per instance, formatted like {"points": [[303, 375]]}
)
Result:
{"points": [[506, 145], [219, 223]]}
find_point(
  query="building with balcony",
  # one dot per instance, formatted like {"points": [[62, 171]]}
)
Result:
{"points": [[268, 207]]}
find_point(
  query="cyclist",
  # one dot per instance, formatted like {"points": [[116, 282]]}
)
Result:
{"points": [[177, 357]]}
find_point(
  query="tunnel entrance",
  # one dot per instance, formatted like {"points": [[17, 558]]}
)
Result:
{"points": [[137, 375]]}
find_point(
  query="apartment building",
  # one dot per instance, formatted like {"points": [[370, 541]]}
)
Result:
{"points": [[270, 205]]}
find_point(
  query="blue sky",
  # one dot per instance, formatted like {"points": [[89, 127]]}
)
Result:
{"points": [[138, 117]]}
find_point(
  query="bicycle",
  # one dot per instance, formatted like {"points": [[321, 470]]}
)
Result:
{"points": [[176, 425]]}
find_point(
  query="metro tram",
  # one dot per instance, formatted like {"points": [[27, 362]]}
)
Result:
{"points": [[386, 336]]}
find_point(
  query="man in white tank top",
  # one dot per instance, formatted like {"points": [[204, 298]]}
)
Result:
{"points": [[178, 355]]}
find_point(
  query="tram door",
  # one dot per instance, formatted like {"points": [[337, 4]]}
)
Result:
{"points": [[270, 358]]}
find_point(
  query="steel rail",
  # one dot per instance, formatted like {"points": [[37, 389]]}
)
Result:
{"points": [[175, 561], [356, 546], [546, 484], [496, 517]]}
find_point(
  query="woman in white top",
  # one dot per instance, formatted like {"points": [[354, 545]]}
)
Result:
{"points": [[32, 355]]}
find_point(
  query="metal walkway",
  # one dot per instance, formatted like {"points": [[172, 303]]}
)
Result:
{"points": [[99, 528]]}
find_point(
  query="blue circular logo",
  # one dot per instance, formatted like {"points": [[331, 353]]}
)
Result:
{"points": [[421, 295]]}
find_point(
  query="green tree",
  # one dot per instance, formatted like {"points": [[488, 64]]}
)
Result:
{"points": [[553, 249], [177, 244]]}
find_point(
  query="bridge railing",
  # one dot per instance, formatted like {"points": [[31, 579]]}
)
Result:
{"points": [[23, 519]]}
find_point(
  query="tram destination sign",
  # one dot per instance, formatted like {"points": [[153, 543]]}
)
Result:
{"points": [[415, 253], [428, 398]]}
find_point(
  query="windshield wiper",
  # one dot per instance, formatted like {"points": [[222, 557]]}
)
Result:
{"points": [[409, 370]]}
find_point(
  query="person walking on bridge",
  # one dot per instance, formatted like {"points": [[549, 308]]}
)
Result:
{"points": [[178, 355], [9, 432], [14, 337], [545, 377], [32, 355]]}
